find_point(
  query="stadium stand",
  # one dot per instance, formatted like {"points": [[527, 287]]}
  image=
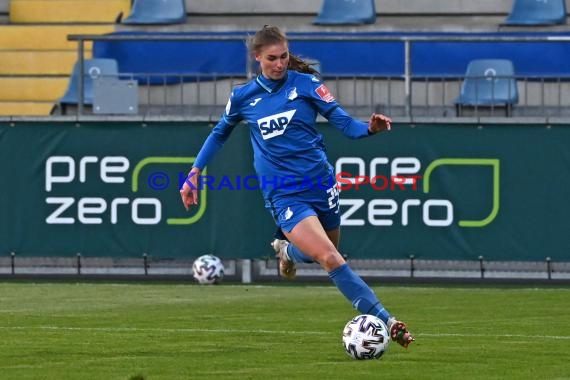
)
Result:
{"points": [[342, 12], [112, 96], [489, 83], [365, 76], [67, 11], [381, 63], [392, 15], [93, 70], [35, 54], [157, 12], [534, 12], [35, 62]]}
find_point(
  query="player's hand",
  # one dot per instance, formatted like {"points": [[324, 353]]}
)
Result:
{"points": [[379, 123], [189, 190]]}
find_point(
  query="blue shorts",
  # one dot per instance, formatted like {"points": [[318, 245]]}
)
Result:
{"points": [[289, 209]]}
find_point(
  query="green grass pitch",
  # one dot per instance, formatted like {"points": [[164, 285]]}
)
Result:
{"points": [[186, 331]]}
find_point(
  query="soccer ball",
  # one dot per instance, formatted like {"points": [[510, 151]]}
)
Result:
{"points": [[365, 337], [208, 269]]}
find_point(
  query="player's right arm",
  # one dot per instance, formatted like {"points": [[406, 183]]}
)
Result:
{"points": [[214, 142], [189, 190]]}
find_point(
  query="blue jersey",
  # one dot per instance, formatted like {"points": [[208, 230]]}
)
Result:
{"points": [[281, 116]]}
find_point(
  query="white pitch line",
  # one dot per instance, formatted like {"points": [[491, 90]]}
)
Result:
{"points": [[167, 330], [437, 335], [259, 331]]}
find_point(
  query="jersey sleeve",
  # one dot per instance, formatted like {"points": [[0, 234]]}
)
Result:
{"points": [[334, 113], [349, 126], [321, 97], [231, 113], [216, 139]]}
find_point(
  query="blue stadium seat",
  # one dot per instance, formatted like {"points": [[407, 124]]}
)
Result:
{"points": [[346, 12], [489, 83], [93, 69], [157, 12], [537, 12]]}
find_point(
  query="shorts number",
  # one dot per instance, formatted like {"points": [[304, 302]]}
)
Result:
{"points": [[333, 197]]}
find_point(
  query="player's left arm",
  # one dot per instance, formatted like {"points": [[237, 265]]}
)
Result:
{"points": [[340, 119], [379, 123]]}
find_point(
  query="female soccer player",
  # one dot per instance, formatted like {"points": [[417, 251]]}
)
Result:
{"points": [[280, 107]]}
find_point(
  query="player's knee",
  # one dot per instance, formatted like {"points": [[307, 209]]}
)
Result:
{"points": [[331, 259]]}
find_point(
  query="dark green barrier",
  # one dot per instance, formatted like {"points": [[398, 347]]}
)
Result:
{"points": [[496, 191], [111, 189]]}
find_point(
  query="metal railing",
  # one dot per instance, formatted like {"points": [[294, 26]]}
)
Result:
{"points": [[408, 95]]}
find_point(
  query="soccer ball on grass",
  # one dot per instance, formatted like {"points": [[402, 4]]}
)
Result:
{"points": [[208, 269], [365, 337]]}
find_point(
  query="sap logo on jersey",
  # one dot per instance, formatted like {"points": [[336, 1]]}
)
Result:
{"points": [[275, 125]]}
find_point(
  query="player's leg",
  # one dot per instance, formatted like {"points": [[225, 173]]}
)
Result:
{"points": [[334, 236], [311, 224], [287, 255], [283, 248], [310, 237], [287, 251]]}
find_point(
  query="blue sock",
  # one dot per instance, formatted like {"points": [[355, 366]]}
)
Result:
{"points": [[297, 256], [358, 293]]}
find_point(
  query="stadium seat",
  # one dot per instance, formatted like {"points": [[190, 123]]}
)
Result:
{"points": [[157, 12], [93, 68], [489, 83], [537, 12], [346, 12]]}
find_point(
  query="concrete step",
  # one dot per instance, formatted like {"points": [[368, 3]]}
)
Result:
{"points": [[46, 37], [34, 62], [68, 11], [25, 108], [34, 89]]}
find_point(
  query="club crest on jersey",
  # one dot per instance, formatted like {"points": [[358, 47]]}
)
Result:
{"points": [[275, 125], [324, 93], [292, 94]]}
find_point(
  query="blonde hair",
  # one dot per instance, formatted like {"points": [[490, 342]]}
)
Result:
{"points": [[271, 35]]}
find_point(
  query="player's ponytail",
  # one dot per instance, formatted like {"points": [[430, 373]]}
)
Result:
{"points": [[300, 65]]}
